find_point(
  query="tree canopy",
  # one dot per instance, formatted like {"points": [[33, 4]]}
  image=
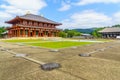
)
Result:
{"points": [[96, 34], [117, 25], [2, 29], [69, 33]]}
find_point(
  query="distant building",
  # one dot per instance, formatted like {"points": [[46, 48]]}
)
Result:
{"points": [[84, 36], [4, 34], [112, 32], [31, 25]]}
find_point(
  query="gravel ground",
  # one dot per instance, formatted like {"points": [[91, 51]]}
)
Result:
{"points": [[102, 65]]}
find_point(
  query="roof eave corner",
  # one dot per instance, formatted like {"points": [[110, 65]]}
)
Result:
{"points": [[59, 24], [11, 20], [6, 22]]}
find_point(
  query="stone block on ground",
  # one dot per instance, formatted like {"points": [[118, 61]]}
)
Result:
{"points": [[54, 50], [50, 66], [20, 55], [85, 55], [4, 49]]}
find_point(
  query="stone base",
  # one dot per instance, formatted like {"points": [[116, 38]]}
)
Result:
{"points": [[20, 55], [50, 66], [54, 50], [85, 55]]}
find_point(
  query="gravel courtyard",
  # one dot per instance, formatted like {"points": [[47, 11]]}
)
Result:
{"points": [[102, 65]]}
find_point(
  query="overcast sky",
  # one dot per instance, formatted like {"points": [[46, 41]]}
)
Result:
{"points": [[71, 13]]}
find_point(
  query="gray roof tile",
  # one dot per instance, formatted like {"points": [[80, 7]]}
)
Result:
{"points": [[111, 29], [38, 18]]}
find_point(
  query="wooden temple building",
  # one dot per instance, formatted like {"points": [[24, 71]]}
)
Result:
{"points": [[31, 25], [112, 32]]}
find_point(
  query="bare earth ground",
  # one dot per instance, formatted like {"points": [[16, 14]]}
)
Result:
{"points": [[102, 65]]}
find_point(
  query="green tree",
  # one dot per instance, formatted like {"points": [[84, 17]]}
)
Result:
{"points": [[2, 29], [77, 33], [62, 34], [117, 25], [70, 33], [96, 33], [66, 30]]}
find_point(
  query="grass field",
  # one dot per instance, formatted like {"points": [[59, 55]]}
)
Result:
{"points": [[48, 43], [61, 44]]}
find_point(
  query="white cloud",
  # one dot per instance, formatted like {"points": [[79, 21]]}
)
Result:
{"points": [[87, 19], [17, 11], [4, 15], [27, 4], [116, 18], [65, 6], [18, 7], [85, 2]]}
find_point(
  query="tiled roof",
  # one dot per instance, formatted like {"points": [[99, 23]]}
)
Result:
{"points": [[38, 18], [111, 29], [33, 17]]}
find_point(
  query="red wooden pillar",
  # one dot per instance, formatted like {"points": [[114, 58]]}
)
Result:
{"points": [[29, 32], [18, 32], [49, 34], [11, 32], [53, 34], [15, 33], [39, 34], [43, 33], [8, 33], [34, 32], [23, 32]]}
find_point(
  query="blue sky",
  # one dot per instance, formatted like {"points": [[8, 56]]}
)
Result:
{"points": [[71, 13]]}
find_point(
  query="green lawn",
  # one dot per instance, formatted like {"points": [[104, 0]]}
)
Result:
{"points": [[61, 44], [47, 43]]}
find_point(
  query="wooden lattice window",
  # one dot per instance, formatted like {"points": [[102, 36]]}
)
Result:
{"points": [[25, 22]]}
